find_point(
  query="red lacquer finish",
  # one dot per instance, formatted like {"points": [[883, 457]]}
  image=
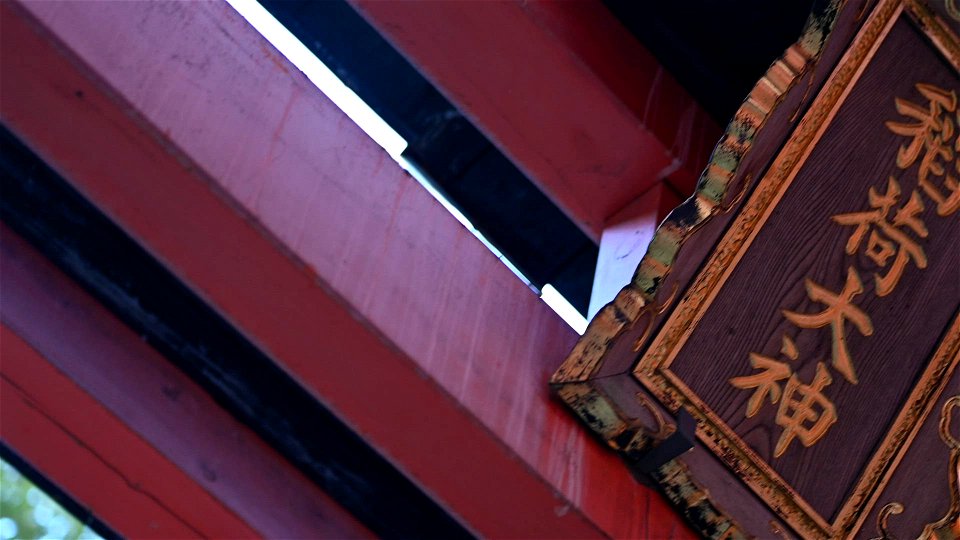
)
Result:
{"points": [[195, 136], [124, 482], [78, 444], [563, 90], [164, 454]]}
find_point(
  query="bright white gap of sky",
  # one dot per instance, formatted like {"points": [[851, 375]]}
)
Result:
{"points": [[370, 122]]}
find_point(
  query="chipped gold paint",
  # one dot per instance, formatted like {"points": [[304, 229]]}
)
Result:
{"points": [[718, 191], [695, 503], [653, 368]]}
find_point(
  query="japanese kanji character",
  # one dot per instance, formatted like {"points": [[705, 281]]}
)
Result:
{"points": [[839, 309], [887, 238], [934, 141], [805, 412], [767, 382]]}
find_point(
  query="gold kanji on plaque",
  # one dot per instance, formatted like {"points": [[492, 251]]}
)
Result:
{"points": [[767, 382], [839, 309], [805, 413], [887, 238], [935, 142]]}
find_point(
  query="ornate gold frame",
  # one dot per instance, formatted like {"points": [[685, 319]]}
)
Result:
{"points": [[653, 368], [640, 306]]}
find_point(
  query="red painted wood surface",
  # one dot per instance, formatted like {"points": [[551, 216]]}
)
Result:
{"points": [[118, 401], [193, 134], [563, 90], [77, 443]]}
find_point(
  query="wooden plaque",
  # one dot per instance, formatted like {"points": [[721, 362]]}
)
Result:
{"points": [[804, 306]]}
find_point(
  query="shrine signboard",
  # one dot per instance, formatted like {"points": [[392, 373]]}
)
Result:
{"points": [[804, 306]]}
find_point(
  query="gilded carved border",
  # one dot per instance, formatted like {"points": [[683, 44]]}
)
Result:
{"points": [[637, 304], [653, 368], [639, 298], [949, 525]]}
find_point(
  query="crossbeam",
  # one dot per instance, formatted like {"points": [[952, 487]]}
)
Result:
{"points": [[563, 90], [196, 137], [105, 417]]}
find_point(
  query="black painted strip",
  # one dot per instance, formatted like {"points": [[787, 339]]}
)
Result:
{"points": [[81, 241], [508, 208]]}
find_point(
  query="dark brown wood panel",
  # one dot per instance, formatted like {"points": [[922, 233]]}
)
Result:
{"points": [[736, 284], [927, 500], [769, 138], [800, 241]]}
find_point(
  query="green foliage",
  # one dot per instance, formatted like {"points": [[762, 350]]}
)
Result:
{"points": [[28, 513]]}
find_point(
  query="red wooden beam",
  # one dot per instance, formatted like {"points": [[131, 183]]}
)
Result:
{"points": [[110, 420], [187, 129], [563, 90], [93, 457], [83, 448]]}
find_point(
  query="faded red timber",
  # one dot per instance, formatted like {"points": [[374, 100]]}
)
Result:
{"points": [[563, 90], [187, 129], [104, 416], [95, 458]]}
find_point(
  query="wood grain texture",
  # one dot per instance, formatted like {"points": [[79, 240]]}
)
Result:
{"points": [[302, 233], [683, 241], [927, 500], [679, 256], [800, 241]]}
